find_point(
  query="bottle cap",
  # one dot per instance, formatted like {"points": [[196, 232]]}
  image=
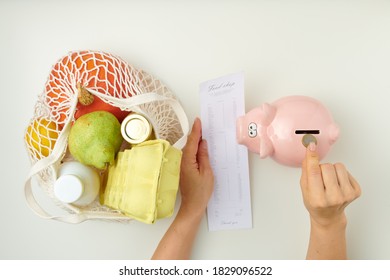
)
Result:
{"points": [[136, 129], [68, 188]]}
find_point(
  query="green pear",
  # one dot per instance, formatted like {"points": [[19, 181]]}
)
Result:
{"points": [[95, 138]]}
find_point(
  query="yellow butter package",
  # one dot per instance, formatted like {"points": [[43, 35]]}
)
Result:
{"points": [[144, 180]]}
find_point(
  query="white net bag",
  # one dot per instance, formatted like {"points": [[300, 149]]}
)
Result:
{"points": [[100, 81]]}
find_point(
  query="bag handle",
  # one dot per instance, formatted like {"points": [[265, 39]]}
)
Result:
{"points": [[75, 218], [59, 149]]}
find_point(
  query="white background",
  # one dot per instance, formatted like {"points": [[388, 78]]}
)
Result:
{"points": [[335, 51]]}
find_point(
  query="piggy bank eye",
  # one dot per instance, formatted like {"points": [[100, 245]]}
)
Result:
{"points": [[252, 130]]}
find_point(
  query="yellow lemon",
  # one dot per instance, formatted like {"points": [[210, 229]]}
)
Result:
{"points": [[41, 136]]}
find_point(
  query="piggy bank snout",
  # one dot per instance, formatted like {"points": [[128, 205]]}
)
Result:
{"points": [[247, 133]]}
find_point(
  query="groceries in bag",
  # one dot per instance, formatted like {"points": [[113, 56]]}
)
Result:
{"points": [[136, 129], [84, 82], [95, 138], [41, 136], [77, 184], [144, 180]]}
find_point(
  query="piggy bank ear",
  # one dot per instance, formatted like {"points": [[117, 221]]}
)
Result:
{"points": [[267, 114], [266, 147], [333, 132]]}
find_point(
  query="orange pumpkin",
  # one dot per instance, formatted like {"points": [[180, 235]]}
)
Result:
{"points": [[99, 71]]}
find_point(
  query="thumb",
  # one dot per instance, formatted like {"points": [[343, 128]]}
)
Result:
{"points": [[191, 148], [203, 156]]}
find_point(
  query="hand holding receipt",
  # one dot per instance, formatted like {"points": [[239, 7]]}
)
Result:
{"points": [[222, 101]]}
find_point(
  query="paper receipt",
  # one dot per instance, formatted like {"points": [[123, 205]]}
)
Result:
{"points": [[222, 102]]}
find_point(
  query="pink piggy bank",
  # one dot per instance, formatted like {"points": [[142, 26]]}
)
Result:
{"points": [[279, 129]]}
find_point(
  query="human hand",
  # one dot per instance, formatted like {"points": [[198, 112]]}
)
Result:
{"points": [[196, 175], [327, 189], [196, 187]]}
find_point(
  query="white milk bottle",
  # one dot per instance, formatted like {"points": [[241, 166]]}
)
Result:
{"points": [[77, 183]]}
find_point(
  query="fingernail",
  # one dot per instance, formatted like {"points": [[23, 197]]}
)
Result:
{"points": [[312, 146]]}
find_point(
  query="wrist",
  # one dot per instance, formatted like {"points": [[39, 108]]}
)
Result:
{"points": [[335, 223], [191, 213], [327, 238]]}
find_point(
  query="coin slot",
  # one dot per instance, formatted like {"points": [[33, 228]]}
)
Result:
{"points": [[307, 131]]}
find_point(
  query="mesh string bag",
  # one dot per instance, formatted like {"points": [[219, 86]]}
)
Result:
{"points": [[81, 82]]}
